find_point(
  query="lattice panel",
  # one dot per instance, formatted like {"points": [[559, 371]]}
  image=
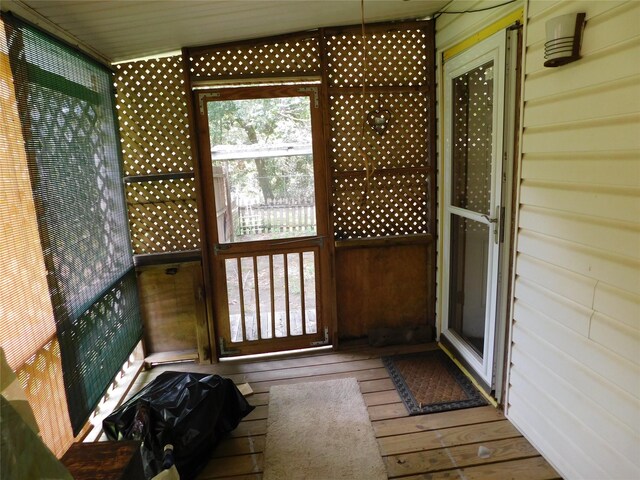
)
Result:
{"points": [[395, 204], [97, 344], [403, 145], [284, 57], [152, 112], [85, 226], [163, 216], [394, 57], [41, 379]]}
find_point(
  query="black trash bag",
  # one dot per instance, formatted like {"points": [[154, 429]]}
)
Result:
{"points": [[190, 411]]}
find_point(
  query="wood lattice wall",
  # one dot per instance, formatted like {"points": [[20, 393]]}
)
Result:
{"points": [[154, 131], [296, 54], [390, 195], [395, 197], [382, 186]]}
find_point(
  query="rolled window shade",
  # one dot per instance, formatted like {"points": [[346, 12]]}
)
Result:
{"points": [[26, 315], [66, 109], [27, 325]]}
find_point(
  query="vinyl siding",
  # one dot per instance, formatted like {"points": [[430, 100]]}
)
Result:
{"points": [[574, 377], [574, 354]]}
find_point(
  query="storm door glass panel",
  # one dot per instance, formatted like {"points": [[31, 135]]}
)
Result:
{"points": [[468, 280], [261, 151], [471, 181], [472, 134]]}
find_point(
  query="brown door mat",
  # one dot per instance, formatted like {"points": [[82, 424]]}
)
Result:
{"points": [[430, 382]]}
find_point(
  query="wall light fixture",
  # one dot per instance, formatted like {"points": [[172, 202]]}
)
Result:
{"points": [[564, 35]]}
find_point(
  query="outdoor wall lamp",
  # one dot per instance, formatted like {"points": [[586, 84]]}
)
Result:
{"points": [[564, 35]]}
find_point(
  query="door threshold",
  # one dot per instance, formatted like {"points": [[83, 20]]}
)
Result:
{"points": [[274, 355], [478, 384]]}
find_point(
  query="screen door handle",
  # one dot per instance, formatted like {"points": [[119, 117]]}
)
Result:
{"points": [[495, 221]]}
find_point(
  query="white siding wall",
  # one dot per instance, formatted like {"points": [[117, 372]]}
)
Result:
{"points": [[574, 381], [574, 376]]}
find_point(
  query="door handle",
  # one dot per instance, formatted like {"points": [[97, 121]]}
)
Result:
{"points": [[495, 221]]}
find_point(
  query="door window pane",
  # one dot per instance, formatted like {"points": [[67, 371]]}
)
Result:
{"points": [[261, 151], [472, 139], [468, 280]]}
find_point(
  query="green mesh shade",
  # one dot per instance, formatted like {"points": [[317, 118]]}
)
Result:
{"points": [[96, 344], [66, 109]]}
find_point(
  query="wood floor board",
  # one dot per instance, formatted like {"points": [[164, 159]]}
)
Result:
{"points": [[237, 368], [314, 370], [296, 374], [247, 428], [534, 468], [306, 371], [435, 421], [380, 385], [360, 375], [447, 437], [236, 465], [234, 446], [259, 413], [458, 457], [388, 411], [258, 399], [435, 446], [381, 398], [324, 358]]}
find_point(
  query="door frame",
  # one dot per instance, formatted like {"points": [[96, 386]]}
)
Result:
{"points": [[320, 242], [491, 371]]}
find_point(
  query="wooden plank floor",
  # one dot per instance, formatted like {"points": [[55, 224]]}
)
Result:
{"points": [[435, 446]]}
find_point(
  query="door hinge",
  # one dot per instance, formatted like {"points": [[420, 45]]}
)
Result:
{"points": [[224, 351], [219, 247], [316, 95], [203, 97], [501, 233], [319, 343]]}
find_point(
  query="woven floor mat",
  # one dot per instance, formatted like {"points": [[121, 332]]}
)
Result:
{"points": [[430, 382]]}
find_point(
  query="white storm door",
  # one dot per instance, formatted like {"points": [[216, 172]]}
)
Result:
{"points": [[474, 122]]}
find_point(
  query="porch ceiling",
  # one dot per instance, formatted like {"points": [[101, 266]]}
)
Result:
{"points": [[122, 30]]}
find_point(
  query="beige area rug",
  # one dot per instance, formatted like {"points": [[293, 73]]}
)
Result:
{"points": [[320, 431]]}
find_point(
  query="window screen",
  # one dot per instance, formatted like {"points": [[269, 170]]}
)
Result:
{"points": [[66, 109]]}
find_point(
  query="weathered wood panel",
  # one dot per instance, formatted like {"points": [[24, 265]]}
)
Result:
{"points": [[168, 303], [388, 286]]}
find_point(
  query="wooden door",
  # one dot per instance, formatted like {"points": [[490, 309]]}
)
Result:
{"points": [[265, 191]]}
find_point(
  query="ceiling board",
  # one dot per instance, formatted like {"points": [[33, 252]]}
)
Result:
{"points": [[126, 29]]}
